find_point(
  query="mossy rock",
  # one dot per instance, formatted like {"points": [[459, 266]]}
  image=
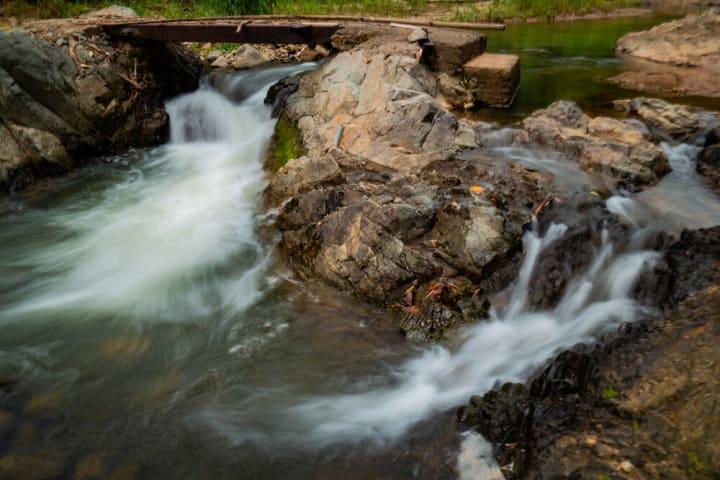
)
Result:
{"points": [[286, 144]]}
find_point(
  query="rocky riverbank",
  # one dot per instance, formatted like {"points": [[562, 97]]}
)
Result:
{"points": [[640, 405], [68, 92], [641, 402], [681, 57], [400, 202]]}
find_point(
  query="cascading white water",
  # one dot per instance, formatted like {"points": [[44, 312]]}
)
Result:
{"points": [[507, 347], [156, 245]]}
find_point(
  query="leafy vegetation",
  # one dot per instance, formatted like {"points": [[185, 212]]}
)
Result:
{"points": [[209, 8], [168, 9], [610, 393], [286, 144], [493, 10], [397, 8], [498, 10]]}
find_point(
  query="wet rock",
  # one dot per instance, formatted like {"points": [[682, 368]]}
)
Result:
{"points": [[6, 423], [709, 166], [59, 104], [305, 174], [279, 92], [689, 47], [90, 467], [425, 246], [640, 404], [587, 220], [42, 403], [44, 465], [621, 149], [672, 122]]}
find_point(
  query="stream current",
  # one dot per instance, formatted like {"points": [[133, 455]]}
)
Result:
{"points": [[149, 331]]}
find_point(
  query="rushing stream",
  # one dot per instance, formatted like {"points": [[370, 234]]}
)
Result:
{"points": [[149, 332]]}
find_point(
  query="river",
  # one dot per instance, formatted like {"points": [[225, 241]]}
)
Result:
{"points": [[149, 330]]}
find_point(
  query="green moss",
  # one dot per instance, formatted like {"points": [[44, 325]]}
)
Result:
{"points": [[610, 393], [286, 144]]}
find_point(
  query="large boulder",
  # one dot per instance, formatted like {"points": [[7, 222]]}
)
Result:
{"points": [[619, 148], [383, 98], [679, 57], [68, 91], [431, 245]]}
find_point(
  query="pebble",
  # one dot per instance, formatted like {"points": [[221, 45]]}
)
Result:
{"points": [[626, 466]]}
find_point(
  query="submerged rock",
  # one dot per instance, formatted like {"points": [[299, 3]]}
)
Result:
{"points": [[68, 91], [678, 57]]}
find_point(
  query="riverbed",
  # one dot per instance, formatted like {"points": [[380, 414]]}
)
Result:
{"points": [[150, 330]]}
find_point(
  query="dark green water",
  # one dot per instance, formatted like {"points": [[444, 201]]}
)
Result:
{"points": [[571, 61]]}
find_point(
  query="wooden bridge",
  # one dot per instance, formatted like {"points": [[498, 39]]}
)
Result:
{"points": [[273, 29]]}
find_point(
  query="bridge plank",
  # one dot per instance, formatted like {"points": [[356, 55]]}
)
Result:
{"points": [[227, 32]]}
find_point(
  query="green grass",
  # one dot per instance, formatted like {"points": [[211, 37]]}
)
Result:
{"points": [[286, 145], [209, 8], [150, 8], [610, 393], [387, 8], [498, 10], [492, 10]]}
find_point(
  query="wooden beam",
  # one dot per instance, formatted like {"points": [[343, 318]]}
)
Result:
{"points": [[225, 32]]}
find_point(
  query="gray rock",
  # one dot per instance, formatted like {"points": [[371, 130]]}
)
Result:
{"points": [[248, 57], [65, 91], [599, 144]]}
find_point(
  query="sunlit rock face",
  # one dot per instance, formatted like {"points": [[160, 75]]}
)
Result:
{"points": [[681, 57], [67, 91], [619, 148], [431, 245]]}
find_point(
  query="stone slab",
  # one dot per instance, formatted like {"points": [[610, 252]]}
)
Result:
{"points": [[493, 78], [454, 48]]}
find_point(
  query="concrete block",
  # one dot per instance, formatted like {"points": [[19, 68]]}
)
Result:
{"points": [[493, 78]]}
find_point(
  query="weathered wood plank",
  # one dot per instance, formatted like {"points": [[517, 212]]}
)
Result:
{"points": [[226, 32]]}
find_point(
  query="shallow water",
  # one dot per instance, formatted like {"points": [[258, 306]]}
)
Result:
{"points": [[148, 330], [570, 61]]}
